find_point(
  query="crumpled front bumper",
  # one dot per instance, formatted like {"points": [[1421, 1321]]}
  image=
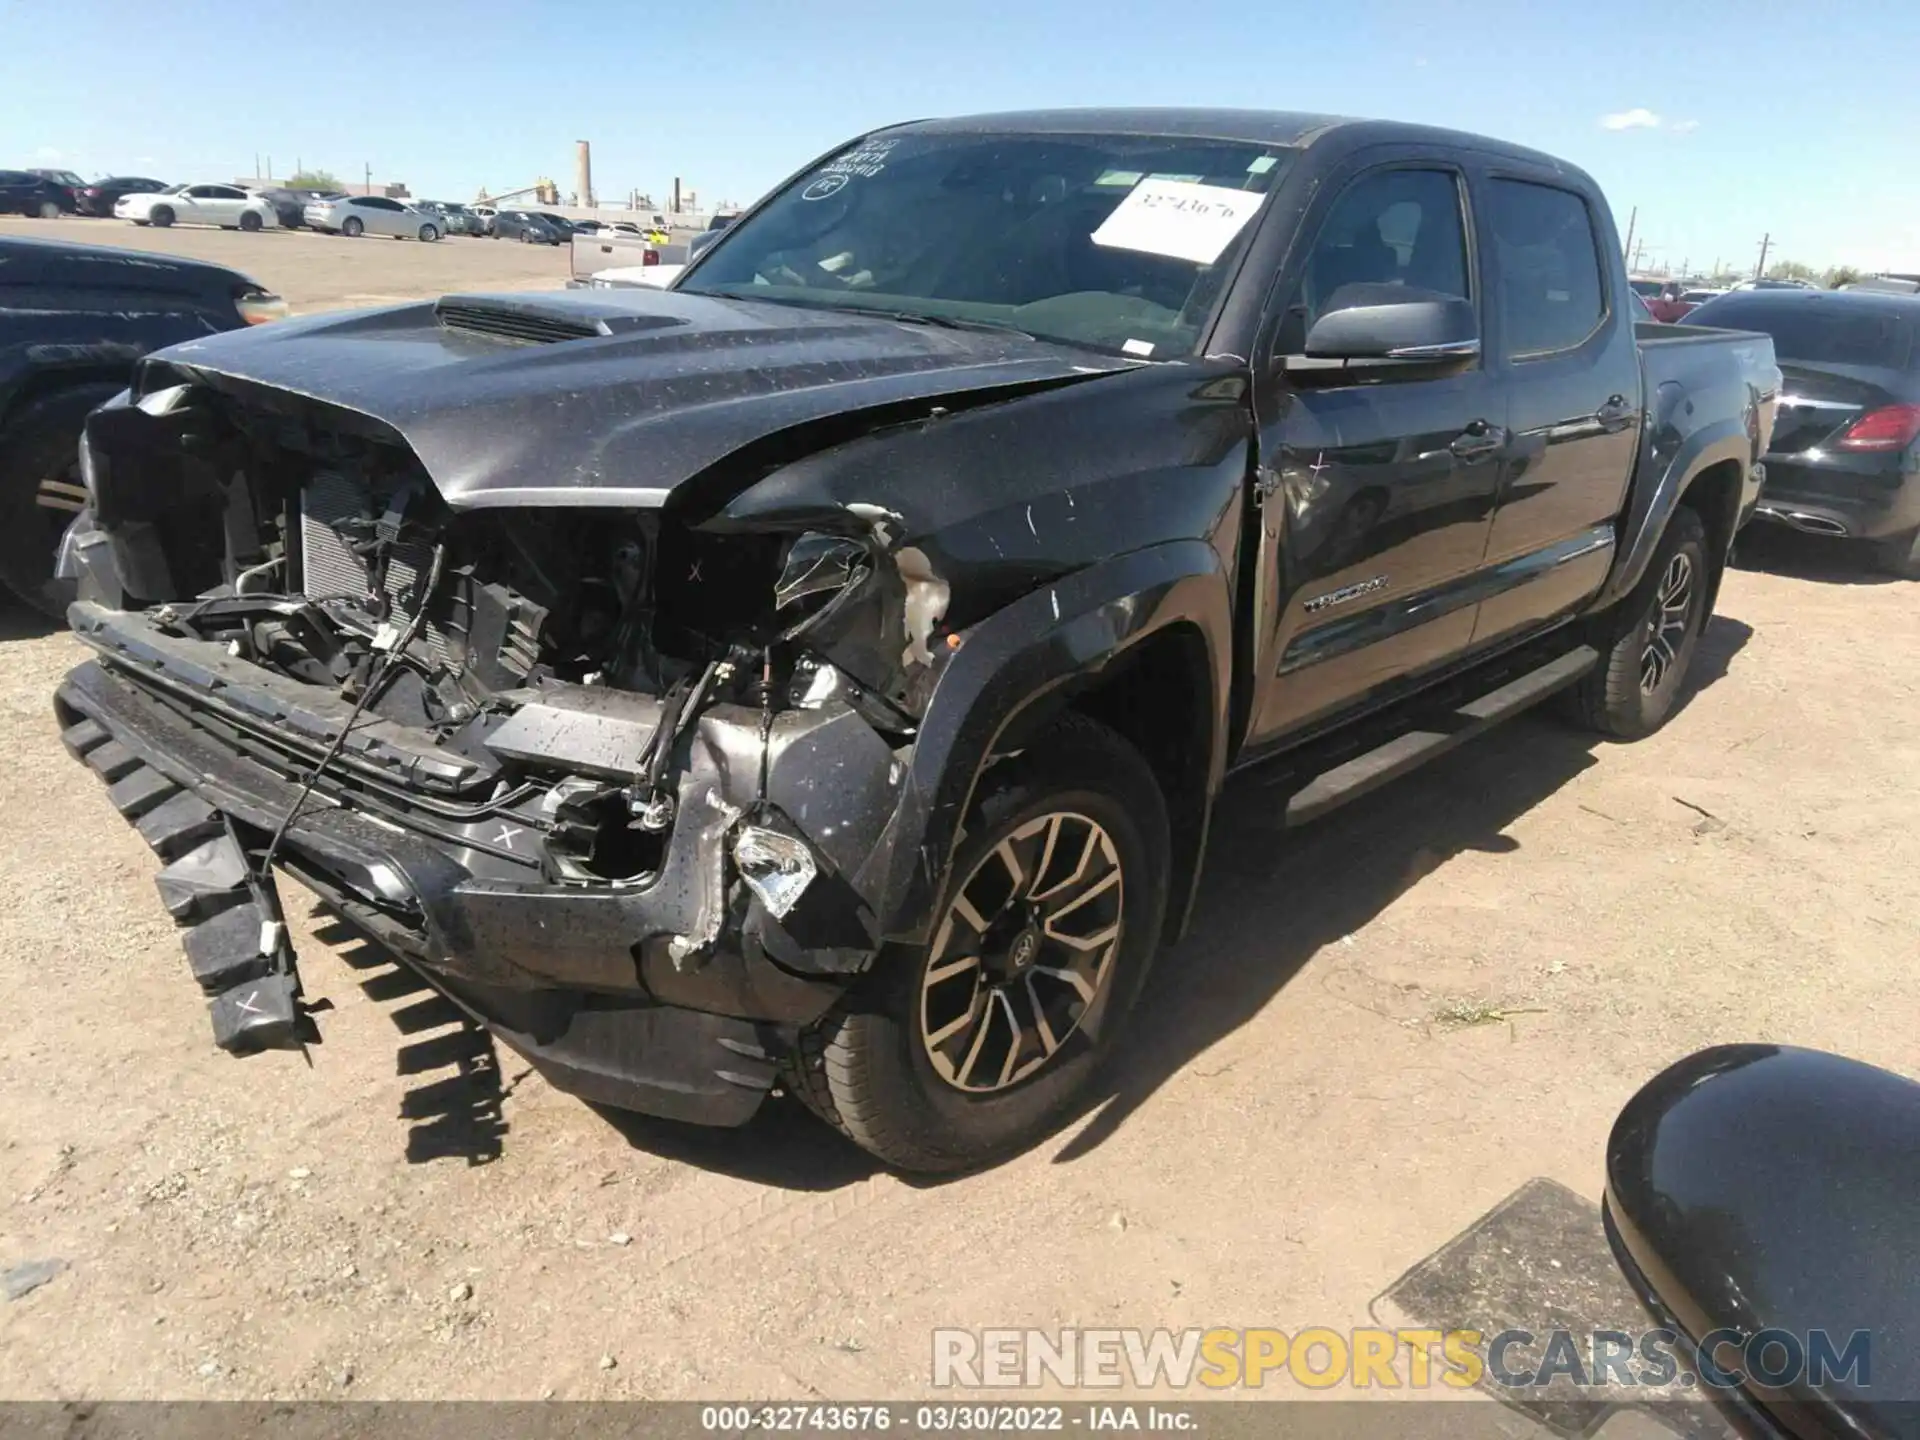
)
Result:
{"points": [[586, 981]]}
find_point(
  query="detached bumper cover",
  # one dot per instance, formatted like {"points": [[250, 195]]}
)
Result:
{"points": [[586, 981]]}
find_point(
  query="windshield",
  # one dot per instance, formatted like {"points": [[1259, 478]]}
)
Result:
{"points": [[1114, 242]]}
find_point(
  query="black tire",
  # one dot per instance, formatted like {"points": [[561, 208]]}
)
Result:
{"points": [[161, 215], [1899, 556], [428, 234], [250, 222], [866, 1068], [48, 210], [41, 444], [1643, 661], [351, 227]]}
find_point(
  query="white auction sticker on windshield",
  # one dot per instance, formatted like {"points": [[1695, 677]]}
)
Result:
{"points": [[1178, 218]]}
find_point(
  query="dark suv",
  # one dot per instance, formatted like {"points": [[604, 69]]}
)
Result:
{"points": [[1845, 459], [24, 193]]}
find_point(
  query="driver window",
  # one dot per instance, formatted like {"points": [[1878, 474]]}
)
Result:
{"points": [[1392, 227]]}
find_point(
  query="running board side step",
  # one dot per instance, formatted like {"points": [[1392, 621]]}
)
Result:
{"points": [[1414, 747]]}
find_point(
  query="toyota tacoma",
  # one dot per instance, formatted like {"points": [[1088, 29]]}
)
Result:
{"points": [[819, 674]]}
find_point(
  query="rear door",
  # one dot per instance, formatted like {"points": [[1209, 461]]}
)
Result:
{"points": [[1564, 353], [1375, 496]]}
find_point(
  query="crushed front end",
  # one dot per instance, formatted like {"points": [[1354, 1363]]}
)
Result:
{"points": [[619, 787]]}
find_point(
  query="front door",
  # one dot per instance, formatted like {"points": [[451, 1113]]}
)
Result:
{"points": [[1376, 496]]}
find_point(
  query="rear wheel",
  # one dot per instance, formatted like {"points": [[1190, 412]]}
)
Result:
{"points": [[1899, 556], [162, 216], [40, 492], [249, 222], [351, 226], [1647, 641], [974, 1046]]}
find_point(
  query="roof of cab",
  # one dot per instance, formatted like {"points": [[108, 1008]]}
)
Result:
{"points": [[1255, 127]]}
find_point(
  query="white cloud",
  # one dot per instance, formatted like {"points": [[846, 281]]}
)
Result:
{"points": [[1684, 127], [1639, 118]]}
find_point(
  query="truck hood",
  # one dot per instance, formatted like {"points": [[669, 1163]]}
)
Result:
{"points": [[617, 398]]}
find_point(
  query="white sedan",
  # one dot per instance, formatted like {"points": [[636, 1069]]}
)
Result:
{"points": [[227, 206], [353, 215]]}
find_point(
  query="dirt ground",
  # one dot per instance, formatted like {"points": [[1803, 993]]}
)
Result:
{"points": [[1379, 1027]]}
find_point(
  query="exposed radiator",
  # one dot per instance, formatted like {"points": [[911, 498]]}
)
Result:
{"points": [[335, 512]]}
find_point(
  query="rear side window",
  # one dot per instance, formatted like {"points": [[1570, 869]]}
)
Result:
{"points": [[1552, 296], [1817, 333]]}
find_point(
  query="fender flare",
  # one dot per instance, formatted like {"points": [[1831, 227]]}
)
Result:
{"points": [[1019, 658], [1710, 445]]}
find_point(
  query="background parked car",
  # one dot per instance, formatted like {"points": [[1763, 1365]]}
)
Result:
{"points": [[24, 193], [353, 215], [227, 206], [485, 214], [531, 226], [68, 180], [70, 331], [290, 204], [101, 196], [1845, 457], [454, 219]]}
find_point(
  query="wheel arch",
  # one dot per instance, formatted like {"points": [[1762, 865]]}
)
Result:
{"points": [[1097, 643], [1721, 456]]}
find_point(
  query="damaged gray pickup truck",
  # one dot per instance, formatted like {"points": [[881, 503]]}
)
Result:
{"points": [[820, 673]]}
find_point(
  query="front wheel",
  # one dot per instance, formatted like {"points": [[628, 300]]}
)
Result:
{"points": [[1647, 641], [428, 234], [974, 1046], [161, 216], [48, 210]]}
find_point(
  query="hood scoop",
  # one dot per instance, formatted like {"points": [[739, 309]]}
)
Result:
{"points": [[474, 316], [543, 320]]}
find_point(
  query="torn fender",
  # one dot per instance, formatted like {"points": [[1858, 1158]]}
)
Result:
{"points": [[1017, 661]]}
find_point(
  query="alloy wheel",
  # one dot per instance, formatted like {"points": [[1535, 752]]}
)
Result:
{"points": [[1667, 625], [1022, 953]]}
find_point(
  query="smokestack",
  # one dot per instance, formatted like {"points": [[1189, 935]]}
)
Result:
{"points": [[583, 171]]}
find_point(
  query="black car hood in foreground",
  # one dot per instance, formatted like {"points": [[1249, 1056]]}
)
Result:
{"points": [[615, 399]]}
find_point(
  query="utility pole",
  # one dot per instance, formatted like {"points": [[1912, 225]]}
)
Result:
{"points": [[1760, 270], [1638, 247], [1632, 219], [369, 187]]}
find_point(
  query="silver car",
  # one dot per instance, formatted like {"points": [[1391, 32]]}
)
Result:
{"points": [[354, 215]]}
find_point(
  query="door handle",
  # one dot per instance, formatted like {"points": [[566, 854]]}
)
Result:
{"points": [[1478, 441], [1616, 413]]}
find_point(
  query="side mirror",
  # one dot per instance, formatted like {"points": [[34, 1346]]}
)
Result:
{"points": [[1751, 1199], [1388, 327]]}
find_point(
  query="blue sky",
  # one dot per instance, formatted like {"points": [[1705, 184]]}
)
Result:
{"points": [[1733, 119]]}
